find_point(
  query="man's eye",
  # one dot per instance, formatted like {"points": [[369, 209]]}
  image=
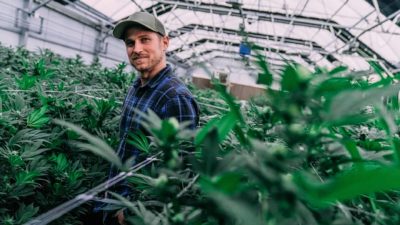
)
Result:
{"points": [[145, 39]]}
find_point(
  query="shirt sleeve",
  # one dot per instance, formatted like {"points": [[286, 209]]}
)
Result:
{"points": [[183, 108]]}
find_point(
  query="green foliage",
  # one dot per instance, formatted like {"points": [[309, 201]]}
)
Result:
{"points": [[26, 82], [323, 148], [96, 145], [344, 187], [40, 163], [265, 77], [37, 118], [139, 141]]}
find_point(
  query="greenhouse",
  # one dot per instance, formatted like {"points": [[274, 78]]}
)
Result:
{"points": [[203, 112]]}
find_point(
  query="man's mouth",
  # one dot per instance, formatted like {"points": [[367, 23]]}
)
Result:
{"points": [[138, 58]]}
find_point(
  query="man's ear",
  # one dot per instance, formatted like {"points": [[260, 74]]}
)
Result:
{"points": [[165, 41]]}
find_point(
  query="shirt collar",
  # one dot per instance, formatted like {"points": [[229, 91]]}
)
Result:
{"points": [[155, 80]]}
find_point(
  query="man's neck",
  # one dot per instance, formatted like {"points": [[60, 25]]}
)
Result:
{"points": [[143, 81], [146, 76]]}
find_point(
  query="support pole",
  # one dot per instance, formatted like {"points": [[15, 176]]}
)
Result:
{"points": [[25, 20], [100, 45]]}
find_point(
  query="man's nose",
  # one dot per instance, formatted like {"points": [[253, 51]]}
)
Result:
{"points": [[137, 48]]}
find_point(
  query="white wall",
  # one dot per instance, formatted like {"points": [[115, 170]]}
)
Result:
{"points": [[60, 33], [8, 38]]}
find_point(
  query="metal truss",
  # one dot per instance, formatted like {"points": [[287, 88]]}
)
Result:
{"points": [[341, 32], [279, 39], [262, 49]]}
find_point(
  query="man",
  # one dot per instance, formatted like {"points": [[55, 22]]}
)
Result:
{"points": [[157, 88]]}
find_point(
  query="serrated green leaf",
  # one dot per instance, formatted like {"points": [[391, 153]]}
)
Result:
{"points": [[96, 146], [37, 118], [139, 141], [25, 212]]}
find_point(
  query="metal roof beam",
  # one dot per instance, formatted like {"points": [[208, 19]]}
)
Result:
{"points": [[273, 66], [233, 53], [191, 27], [262, 15], [320, 51], [340, 31], [205, 40]]}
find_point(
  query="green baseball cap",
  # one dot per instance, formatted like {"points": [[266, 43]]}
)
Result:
{"points": [[139, 18]]}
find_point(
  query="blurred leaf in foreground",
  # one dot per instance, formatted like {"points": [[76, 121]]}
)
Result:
{"points": [[96, 146], [350, 184]]}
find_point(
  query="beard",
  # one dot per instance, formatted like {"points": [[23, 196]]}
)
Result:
{"points": [[144, 64]]}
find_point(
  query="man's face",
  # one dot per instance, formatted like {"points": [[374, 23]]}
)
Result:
{"points": [[146, 50]]}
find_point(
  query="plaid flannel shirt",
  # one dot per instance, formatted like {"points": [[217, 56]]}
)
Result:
{"points": [[166, 95]]}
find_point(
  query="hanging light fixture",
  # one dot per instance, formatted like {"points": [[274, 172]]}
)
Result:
{"points": [[244, 48]]}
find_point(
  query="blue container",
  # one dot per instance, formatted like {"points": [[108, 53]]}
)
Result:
{"points": [[244, 49]]}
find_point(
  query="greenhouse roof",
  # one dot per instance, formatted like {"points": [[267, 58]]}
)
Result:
{"points": [[310, 32]]}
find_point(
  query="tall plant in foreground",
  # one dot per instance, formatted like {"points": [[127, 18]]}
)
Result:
{"points": [[39, 166], [323, 149]]}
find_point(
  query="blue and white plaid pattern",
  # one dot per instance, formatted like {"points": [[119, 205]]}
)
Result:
{"points": [[166, 95]]}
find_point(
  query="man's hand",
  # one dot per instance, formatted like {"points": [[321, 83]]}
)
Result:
{"points": [[120, 217]]}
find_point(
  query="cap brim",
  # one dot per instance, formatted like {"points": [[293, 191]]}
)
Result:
{"points": [[119, 30]]}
